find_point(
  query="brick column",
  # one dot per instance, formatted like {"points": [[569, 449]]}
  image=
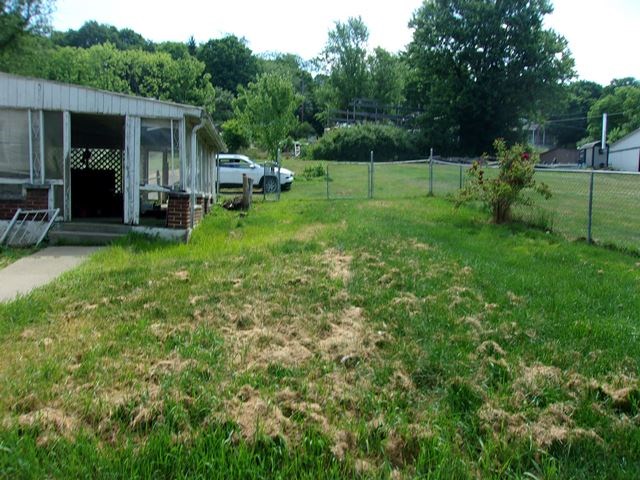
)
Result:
{"points": [[37, 197], [34, 197], [179, 210]]}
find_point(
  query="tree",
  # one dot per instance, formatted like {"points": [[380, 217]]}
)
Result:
{"points": [[569, 118], [388, 77], [345, 59], [297, 69], [480, 67], [266, 109], [192, 47], [19, 17], [623, 105], [177, 50], [229, 62], [148, 74], [94, 33]]}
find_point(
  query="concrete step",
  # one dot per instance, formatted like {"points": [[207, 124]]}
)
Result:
{"points": [[87, 227], [70, 237]]}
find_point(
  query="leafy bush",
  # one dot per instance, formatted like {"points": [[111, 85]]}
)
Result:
{"points": [[313, 171], [516, 171], [234, 135], [303, 130], [355, 143]]}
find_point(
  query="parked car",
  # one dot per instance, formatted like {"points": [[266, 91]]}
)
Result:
{"points": [[232, 166]]}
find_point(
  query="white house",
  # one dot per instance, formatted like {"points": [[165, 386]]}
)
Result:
{"points": [[104, 157], [625, 153]]}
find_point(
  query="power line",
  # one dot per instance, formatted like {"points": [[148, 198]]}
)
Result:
{"points": [[616, 114]]}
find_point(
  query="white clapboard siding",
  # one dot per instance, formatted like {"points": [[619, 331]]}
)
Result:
{"points": [[37, 94]]}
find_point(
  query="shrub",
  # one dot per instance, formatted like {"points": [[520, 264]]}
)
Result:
{"points": [[234, 135], [355, 143], [313, 171], [516, 171], [303, 130]]}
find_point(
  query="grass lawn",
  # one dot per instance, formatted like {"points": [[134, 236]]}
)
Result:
{"points": [[616, 217], [10, 255], [315, 339]]}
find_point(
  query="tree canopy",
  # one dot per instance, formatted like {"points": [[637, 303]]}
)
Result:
{"points": [[94, 33], [229, 62], [345, 58], [481, 67], [18, 17], [266, 109], [623, 107]]}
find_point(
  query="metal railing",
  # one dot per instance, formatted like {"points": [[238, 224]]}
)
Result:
{"points": [[28, 227]]}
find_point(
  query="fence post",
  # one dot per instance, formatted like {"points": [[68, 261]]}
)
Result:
{"points": [[372, 176], [279, 160], [460, 176], [264, 181], [590, 220], [327, 177], [431, 173]]}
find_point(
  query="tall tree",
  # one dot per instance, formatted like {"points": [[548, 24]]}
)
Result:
{"points": [[481, 66], [623, 105], [345, 60], [388, 77], [266, 109], [568, 120], [18, 17], [297, 69], [93, 33], [229, 62]]}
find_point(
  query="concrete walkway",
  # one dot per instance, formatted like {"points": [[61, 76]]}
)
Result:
{"points": [[38, 269]]}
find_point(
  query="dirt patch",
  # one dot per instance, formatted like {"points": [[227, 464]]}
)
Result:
{"points": [[182, 275], [338, 264], [417, 245], [347, 335], [164, 331], [51, 419], [491, 348], [170, 365], [409, 302], [260, 346], [536, 377], [255, 415], [515, 299], [553, 426], [310, 232]]}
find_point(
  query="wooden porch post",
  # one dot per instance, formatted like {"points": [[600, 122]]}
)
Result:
{"points": [[131, 195], [66, 159]]}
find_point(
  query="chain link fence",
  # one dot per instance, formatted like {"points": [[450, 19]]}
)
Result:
{"points": [[599, 206]]}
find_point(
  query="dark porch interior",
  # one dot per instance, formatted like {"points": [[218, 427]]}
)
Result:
{"points": [[97, 164]]}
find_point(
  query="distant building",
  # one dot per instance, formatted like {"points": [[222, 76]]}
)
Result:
{"points": [[561, 156], [592, 155], [538, 137], [625, 153]]}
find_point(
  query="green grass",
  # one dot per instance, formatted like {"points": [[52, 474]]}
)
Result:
{"points": [[616, 218], [334, 339], [10, 255]]}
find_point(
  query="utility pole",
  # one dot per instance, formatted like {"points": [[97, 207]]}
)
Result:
{"points": [[605, 150]]}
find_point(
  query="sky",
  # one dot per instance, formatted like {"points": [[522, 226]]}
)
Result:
{"points": [[602, 34]]}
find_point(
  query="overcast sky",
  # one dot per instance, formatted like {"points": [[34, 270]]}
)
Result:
{"points": [[603, 35]]}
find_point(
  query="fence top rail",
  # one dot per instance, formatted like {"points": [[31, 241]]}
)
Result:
{"points": [[586, 171]]}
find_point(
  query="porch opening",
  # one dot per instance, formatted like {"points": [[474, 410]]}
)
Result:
{"points": [[97, 166]]}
